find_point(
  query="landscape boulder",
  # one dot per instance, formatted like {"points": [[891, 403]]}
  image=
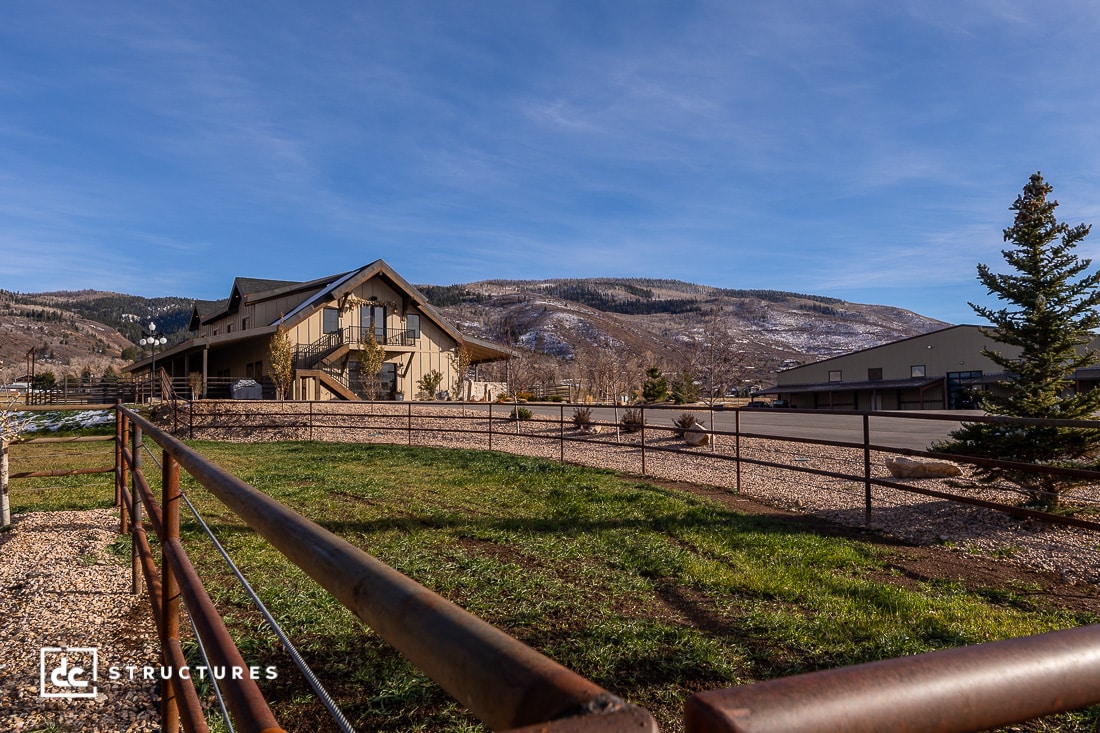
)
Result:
{"points": [[901, 467], [697, 435]]}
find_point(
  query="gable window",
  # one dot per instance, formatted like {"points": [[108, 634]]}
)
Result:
{"points": [[331, 321], [244, 324], [917, 370], [874, 374], [412, 326], [834, 375]]}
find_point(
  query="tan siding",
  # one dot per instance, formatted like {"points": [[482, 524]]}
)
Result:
{"points": [[952, 350]]}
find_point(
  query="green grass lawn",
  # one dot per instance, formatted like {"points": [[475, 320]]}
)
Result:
{"points": [[650, 592]]}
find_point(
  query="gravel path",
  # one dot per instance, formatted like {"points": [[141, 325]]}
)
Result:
{"points": [[60, 586]]}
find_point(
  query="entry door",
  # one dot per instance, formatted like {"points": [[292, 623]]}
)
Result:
{"points": [[372, 319], [387, 381]]}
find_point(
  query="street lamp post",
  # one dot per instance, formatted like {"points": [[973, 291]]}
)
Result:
{"points": [[150, 339]]}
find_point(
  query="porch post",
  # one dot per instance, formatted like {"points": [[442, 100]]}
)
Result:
{"points": [[205, 369]]}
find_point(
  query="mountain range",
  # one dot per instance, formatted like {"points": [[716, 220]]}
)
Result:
{"points": [[89, 331]]}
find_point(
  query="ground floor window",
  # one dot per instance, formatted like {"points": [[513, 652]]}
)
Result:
{"points": [[387, 381], [962, 390]]}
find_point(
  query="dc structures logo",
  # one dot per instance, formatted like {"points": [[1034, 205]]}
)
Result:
{"points": [[66, 671]]}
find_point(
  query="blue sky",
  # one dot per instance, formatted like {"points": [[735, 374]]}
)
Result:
{"points": [[863, 150]]}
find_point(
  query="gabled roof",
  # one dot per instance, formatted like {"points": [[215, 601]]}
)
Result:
{"points": [[315, 292], [203, 310], [248, 290], [345, 283], [250, 285]]}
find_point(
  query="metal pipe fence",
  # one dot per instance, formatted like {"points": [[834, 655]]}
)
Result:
{"points": [[417, 423], [500, 680], [506, 684]]}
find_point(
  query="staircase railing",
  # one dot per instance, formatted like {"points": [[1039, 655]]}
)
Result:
{"points": [[307, 357]]}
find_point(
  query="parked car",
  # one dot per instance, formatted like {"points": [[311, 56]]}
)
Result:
{"points": [[758, 405], [780, 404]]}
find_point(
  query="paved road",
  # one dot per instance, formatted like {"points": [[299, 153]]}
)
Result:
{"points": [[911, 431]]}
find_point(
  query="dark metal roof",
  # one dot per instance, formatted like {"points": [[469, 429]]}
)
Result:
{"points": [[253, 285], [876, 384]]}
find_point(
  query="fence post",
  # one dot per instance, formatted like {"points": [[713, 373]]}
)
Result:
{"points": [[170, 599], [410, 423], [123, 429], [135, 516], [642, 410], [5, 506], [311, 421], [490, 426], [737, 446], [867, 468], [561, 433], [118, 452]]}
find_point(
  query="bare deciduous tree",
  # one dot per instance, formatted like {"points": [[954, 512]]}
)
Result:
{"points": [[460, 362], [371, 357], [281, 352]]}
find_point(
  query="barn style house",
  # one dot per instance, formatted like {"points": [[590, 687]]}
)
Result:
{"points": [[327, 320]]}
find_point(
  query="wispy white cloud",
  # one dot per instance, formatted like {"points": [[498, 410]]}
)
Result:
{"points": [[789, 144]]}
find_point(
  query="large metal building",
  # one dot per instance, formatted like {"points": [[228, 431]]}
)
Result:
{"points": [[940, 370]]}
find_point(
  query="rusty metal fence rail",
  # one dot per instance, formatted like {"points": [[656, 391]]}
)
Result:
{"points": [[972, 688], [510, 686]]}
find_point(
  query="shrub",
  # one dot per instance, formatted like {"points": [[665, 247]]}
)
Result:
{"points": [[582, 417], [684, 423], [632, 421], [520, 413], [429, 384], [525, 396]]}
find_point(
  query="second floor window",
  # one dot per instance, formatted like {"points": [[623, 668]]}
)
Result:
{"points": [[331, 320]]}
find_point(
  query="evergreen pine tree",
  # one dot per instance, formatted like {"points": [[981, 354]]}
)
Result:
{"points": [[684, 389], [1050, 320], [655, 387]]}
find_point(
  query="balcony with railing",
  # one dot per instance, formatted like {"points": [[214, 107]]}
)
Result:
{"points": [[354, 337]]}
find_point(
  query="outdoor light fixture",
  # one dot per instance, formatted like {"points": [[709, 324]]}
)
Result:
{"points": [[151, 340]]}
